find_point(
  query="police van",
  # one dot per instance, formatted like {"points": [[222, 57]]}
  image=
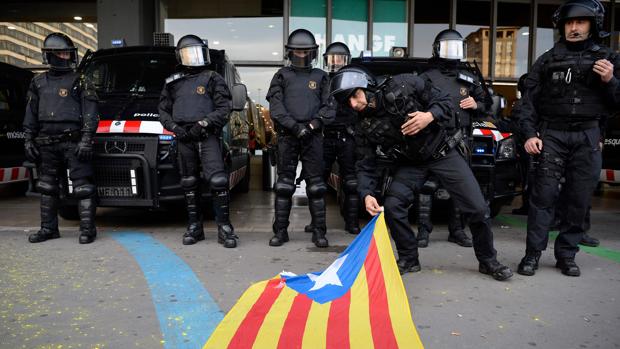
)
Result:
{"points": [[134, 160], [610, 174], [14, 84], [493, 153]]}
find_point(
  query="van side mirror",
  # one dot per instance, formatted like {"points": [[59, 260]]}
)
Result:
{"points": [[239, 97]]}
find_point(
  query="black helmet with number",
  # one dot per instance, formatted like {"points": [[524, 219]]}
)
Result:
{"points": [[348, 79], [192, 51], [301, 49], [449, 44], [59, 52], [591, 9], [336, 56]]}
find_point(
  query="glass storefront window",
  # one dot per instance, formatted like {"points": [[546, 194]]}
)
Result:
{"points": [[546, 35], [310, 15], [431, 17], [249, 39], [473, 19], [257, 80], [349, 24], [389, 26], [512, 41]]}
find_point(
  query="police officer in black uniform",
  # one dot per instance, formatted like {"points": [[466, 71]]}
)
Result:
{"points": [[406, 117], [468, 98], [568, 91], [195, 104], [300, 106], [339, 142], [61, 118]]}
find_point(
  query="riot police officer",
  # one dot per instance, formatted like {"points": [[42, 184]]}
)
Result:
{"points": [[300, 106], [568, 91], [339, 142], [468, 98], [406, 117], [195, 104], [61, 118]]}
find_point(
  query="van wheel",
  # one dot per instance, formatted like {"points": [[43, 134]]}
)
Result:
{"points": [[69, 212]]}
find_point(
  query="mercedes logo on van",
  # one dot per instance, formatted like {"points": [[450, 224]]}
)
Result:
{"points": [[115, 147]]}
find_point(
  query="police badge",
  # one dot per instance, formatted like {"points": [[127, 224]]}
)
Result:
{"points": [[312, 85], [200, 90], [63, 92], [463, 91]]}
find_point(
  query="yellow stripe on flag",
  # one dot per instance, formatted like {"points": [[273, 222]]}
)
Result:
{"points": [[228, 327], [360, 333], [270, 330], [315, 334], [400, 312]]}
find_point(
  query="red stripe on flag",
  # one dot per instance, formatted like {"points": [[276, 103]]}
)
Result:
{"points": [[104, 126], [132, 126], [246, 332], [15, 173], [338, 323], [380, 321], [292, 333], [610, 175]]}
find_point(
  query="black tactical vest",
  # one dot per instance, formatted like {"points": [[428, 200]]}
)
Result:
{"points": [[458, 85], [345, 116], [571, 91], [302, 92], [59, 99], [191, 101]]}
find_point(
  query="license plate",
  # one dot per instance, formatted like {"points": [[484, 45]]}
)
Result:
{"points": [[115, 191]]}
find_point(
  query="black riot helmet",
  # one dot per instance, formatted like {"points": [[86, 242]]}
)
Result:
{"points": [[336, 56], [59, 52], [449, 44], [192, 51], [301, 48], [591, 9], [348, 79]]}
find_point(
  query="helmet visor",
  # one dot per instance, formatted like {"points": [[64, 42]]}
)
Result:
{"points": [[65, 59], [344, 84], [451, 49], [333, 62], [194, 56], [301, 58]]}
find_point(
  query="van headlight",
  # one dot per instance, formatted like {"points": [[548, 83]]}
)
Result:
{"points": [[506, 149]]}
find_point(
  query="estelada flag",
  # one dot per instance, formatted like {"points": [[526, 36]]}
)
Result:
{"points": [[359, 301]]}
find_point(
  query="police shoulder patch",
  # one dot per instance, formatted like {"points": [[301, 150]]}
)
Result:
{"points": [[312, 84]]}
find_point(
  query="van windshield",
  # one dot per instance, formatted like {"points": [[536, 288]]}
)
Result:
{"points": [[133, 74]]}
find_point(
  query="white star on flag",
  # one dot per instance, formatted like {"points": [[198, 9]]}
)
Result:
{"points": [[329, 276]]}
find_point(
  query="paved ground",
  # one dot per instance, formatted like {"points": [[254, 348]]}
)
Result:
{"points": [[60, 294]]}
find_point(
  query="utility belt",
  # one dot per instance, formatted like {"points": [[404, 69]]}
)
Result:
{"points": [[571, 126], [450, 142], [339, 132], [71, 136]]}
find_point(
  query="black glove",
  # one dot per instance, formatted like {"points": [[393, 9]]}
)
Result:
{"points": [[84, 150], [315, 125], [31, 150], [180, 133], [196, 132], [303, 132]]}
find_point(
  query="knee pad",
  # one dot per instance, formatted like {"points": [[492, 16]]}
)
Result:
{"points": [[219, 182], [395, 199], [285, 186], [429, 187], [189, 183], [316, 187], [83, 188], [350, 185], [47, 185]]}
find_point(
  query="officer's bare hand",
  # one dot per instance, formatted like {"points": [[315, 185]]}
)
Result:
{"points": [[533, 145], [605, 69], [468, 103], [417, 122], [372, 206]]}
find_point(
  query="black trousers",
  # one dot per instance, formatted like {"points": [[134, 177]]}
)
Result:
{"points": [[205, 155], [341, 147], [575, 155], [456, 176]]}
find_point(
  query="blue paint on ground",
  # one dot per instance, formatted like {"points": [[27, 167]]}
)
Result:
{"points": [[186, 311]]}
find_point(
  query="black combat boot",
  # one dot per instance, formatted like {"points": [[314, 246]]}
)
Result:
{"points": [[351, 214], [225, 231], [226, 236], [406, 265], [587, 240], [49, 220], [568, 266], [194, 231], [529, 263], [280, 236], [423, 236], [317, 211], [318, 237], [309, 228], [456, 228], [87, 210], [460, 238], [497, 270]]}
